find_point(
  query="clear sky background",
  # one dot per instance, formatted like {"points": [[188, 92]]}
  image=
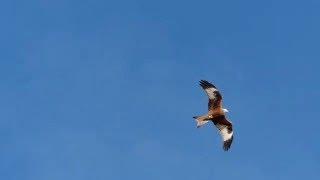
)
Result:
{"points": [[106, 90]]}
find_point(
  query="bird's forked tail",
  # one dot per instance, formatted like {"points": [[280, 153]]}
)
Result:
{"points": [[201, 120]]}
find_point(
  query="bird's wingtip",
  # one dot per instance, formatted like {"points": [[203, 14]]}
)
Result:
{"points": [[227, 144]]}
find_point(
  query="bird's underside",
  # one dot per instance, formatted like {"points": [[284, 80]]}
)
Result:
{"points": [[216, 114]]}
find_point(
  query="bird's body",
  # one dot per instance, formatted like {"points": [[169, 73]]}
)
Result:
{"points": [[216, 114]]}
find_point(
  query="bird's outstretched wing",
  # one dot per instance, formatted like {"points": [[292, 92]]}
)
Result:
{"points": [[215, 98], [225, 130]]}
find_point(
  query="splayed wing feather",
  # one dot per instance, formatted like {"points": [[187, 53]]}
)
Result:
{"points": [[213, 93], [209, 88], [227, 144]]}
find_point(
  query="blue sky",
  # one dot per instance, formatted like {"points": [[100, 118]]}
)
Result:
{"points": [[107, 89]]}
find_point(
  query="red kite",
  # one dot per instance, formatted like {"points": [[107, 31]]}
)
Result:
{"points": [[216, 114]]}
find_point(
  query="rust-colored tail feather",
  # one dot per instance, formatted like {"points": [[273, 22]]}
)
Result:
{"points": [[201, 120]]}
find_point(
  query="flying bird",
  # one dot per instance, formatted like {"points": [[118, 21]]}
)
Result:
{"points": [[216, 114]]}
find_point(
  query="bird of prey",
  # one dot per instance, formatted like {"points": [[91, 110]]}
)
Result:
{"points": [[216, 114]]}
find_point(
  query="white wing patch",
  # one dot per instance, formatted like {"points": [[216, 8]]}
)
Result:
{"points": [[223, 130], [210, 92]]}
